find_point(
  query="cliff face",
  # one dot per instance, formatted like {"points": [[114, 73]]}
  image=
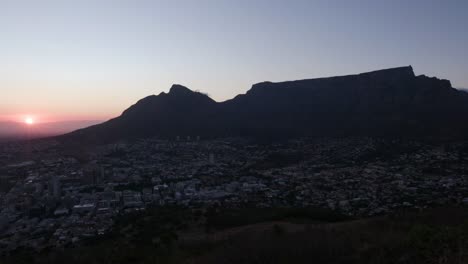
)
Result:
{"points": [[392, 102]]}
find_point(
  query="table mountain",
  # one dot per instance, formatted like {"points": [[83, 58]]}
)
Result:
{"points": [[385, 103]]}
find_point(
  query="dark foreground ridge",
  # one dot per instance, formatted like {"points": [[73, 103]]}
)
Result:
{"points": [[385, 103]]}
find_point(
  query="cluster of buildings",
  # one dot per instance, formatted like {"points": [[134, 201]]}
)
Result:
{"points": [[61, 199]]}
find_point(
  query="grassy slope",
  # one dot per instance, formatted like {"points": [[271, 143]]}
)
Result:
{"points": [[175, 235]]}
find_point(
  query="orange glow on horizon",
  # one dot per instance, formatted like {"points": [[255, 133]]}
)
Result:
{"points": [[43, 118], [29, 120]]}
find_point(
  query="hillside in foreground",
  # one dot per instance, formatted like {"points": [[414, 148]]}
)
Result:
{"points": [[177, 235]]}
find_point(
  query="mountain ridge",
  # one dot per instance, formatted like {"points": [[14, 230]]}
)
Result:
{"points": [[389, 102]]}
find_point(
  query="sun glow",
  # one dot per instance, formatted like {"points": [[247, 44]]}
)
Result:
{"points": [[29, 121]]}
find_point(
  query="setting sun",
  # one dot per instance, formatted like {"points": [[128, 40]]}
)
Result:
{"points": [[29, 120]]}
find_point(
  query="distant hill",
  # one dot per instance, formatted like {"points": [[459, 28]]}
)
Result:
{"points": [[392, 102], [16, 130]]}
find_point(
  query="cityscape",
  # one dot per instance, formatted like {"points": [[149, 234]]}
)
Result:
{"points": [[60, 200], [233, 132]]}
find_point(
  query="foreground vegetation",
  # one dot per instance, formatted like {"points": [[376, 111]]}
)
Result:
{"points": [[215, 235]]}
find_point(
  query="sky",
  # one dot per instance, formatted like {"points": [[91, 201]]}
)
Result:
{"points": [[91, 59]]}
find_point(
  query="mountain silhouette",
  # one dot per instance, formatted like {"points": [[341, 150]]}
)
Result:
{"points": [[385, 103]]}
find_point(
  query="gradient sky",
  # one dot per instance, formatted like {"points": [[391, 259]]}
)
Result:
{"points": [[91, 59]]}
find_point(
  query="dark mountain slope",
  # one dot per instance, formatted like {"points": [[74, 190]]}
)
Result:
{"points": [[386, 102], [179, 112], [392, 102]]}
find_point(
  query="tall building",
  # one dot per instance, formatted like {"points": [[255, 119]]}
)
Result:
{"points": [[54, 187], [93, 174], [211, 158], [39, 188]]}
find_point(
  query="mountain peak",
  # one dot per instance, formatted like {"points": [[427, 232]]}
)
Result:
{"points": [[178, 89], [398, 72]]}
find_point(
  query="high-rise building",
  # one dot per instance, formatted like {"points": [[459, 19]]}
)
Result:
{"points": [[93, 174], [54, 187], [39, 188]]}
